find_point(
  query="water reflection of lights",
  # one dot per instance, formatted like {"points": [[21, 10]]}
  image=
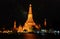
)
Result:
{"points": [[42, 33], [29, 36]]}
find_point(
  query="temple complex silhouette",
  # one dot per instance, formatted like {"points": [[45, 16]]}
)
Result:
{"points": [[29, 24]]}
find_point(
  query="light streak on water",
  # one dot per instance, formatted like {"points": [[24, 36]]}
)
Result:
{"points": [[29, 36]]}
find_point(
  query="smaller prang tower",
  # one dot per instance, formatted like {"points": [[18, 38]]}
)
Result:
{"points": [[45, 23], [14, 28]]}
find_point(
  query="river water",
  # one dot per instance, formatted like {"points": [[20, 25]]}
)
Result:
{"points": [[29, 36]]}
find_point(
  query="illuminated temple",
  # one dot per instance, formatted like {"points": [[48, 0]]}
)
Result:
{"points": [[29, 24]]}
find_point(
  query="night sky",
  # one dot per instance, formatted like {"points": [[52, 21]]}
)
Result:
{"points": [[11, 10]]}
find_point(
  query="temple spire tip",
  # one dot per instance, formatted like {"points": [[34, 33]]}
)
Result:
{"points": [[30, 5]]}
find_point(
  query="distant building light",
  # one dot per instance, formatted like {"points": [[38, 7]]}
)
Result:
{"points": [[43, 30], [0, 31], [38, 32], [58, 32], [5, 31], [55, 31]]}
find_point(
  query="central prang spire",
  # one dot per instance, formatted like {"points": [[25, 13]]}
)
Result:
{"points": [[29, 22], [30, 9], [30, 16]]}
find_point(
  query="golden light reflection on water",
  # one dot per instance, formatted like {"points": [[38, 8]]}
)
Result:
{"points": [[29, 36]]}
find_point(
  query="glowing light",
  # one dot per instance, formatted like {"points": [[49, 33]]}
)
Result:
{"points": [[20, 29], [29, 36], [38, 32], [14, 25], [45, 22], [5, 31]]}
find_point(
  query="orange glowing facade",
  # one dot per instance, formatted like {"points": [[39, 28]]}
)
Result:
{"points": [[20, 29], [29, 22]]}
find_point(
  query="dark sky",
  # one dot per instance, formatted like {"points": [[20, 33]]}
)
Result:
{"points": [[11, 10]]}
